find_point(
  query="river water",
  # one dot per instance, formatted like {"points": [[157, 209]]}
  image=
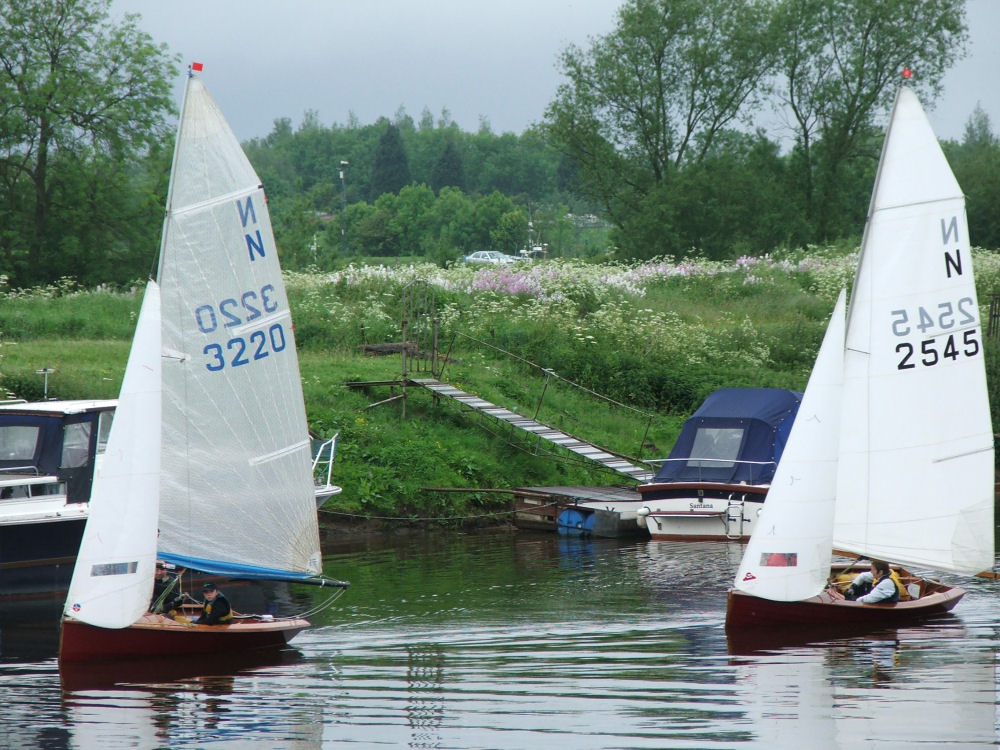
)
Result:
{"points": [[522, 640]]}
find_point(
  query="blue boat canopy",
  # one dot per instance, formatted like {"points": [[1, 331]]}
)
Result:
{"points": [[737, 435]]}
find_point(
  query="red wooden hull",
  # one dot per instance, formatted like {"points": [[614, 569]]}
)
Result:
{"points": [[159, 636], [747, 611]]}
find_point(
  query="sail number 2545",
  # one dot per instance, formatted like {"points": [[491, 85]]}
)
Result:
{"points": [[932, 351], [942, 347]]}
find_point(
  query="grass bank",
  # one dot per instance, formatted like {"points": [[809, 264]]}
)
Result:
{"points": [[541, 339]]}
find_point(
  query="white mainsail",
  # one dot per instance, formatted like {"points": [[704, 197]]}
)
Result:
{"points": [[237, 495], [915, 481], [113, 578], [788, 556]]}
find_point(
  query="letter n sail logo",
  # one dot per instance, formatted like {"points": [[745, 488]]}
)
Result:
{"points": [[749, 577]]}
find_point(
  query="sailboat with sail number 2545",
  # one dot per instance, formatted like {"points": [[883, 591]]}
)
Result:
{"points": [[208, 464], [891, 455]]}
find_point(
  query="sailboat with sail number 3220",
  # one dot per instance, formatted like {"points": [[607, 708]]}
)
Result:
{"points": [[208, 464]]}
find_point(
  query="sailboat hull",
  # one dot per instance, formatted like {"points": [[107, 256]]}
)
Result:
{"points": [[159, 636], [747, 611]]}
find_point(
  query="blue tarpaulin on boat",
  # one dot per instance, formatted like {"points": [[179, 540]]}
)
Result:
{"points": [[736, 435]]}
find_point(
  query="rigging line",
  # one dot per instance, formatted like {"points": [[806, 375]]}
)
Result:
{"points": [[336, 594], [549, 371]]}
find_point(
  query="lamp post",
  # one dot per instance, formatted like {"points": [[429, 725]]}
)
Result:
{"points": [[343, 207], [45, 371]]}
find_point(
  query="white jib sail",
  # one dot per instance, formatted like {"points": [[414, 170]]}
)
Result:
{"points": [[915, 481], [113, 579], [237, 474], [788, 556]]}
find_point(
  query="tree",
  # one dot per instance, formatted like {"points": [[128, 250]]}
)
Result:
{"points": [[976, 162], [654, 94], [510, 232], [391, 170], [486, 217], [448, 171], [838, 69], [81, 99]]}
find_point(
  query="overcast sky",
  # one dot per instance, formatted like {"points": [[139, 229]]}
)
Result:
{"points": [[266, 59]]}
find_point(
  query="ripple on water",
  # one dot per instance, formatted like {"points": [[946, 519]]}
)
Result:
{"points": [[530, 641]]}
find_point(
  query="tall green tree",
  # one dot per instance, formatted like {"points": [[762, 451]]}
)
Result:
{"points": [[81, 100], [838, 69], [448, 170], [391, 171], [976, 162], [653, 95]]}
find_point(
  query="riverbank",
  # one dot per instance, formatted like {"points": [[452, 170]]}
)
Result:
{"points": [[617, 355]]}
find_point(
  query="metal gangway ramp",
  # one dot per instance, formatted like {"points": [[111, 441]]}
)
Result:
{"points": [[570, 443]]}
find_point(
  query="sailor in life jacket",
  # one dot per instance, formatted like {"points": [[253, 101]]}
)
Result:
{"points": [[875, 586], [216, 607]]}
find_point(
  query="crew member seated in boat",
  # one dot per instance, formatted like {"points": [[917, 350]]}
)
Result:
{"points": [[166, 592], [874, 586], [216, 607]]}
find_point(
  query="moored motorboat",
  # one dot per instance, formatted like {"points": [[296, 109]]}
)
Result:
{"points": [[714, 483], [49, 451]]}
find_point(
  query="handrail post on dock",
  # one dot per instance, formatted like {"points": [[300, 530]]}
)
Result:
{"points": [[434, 348], [545, 385], [642, 443], [403, 378]]}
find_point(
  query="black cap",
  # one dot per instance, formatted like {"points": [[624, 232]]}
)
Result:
{"points": [[208, 586]]}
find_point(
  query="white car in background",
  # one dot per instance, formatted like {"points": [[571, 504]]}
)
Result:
{"points": [[494, 257]]}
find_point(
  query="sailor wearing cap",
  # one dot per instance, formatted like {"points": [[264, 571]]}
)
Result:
{"points": [[166, 591], [216, 607]]}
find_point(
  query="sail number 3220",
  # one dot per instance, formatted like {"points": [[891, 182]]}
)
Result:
{"points": [[241, 350]]}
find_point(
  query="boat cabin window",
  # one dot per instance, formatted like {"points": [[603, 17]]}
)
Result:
{"points": [[716, 447], [76, 445], [17, 442], [103, 430], [20, 491]]}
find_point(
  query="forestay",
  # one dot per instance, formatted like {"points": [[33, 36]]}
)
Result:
{"points": [[915, 482], [237, 488], [113, 578], [788, 556]]}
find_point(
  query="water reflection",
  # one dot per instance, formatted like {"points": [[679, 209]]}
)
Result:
{"points": [[893, 688], [525, 641], [126, 673], [197, 712]]}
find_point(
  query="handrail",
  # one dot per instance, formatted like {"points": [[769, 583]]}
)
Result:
{"points": [[550, 373], [329, 446], [695, 462], [698, 458], [29, 469]]}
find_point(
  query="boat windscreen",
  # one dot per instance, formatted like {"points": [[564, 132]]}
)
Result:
{"points": [[716, 447], [18, 441]]}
